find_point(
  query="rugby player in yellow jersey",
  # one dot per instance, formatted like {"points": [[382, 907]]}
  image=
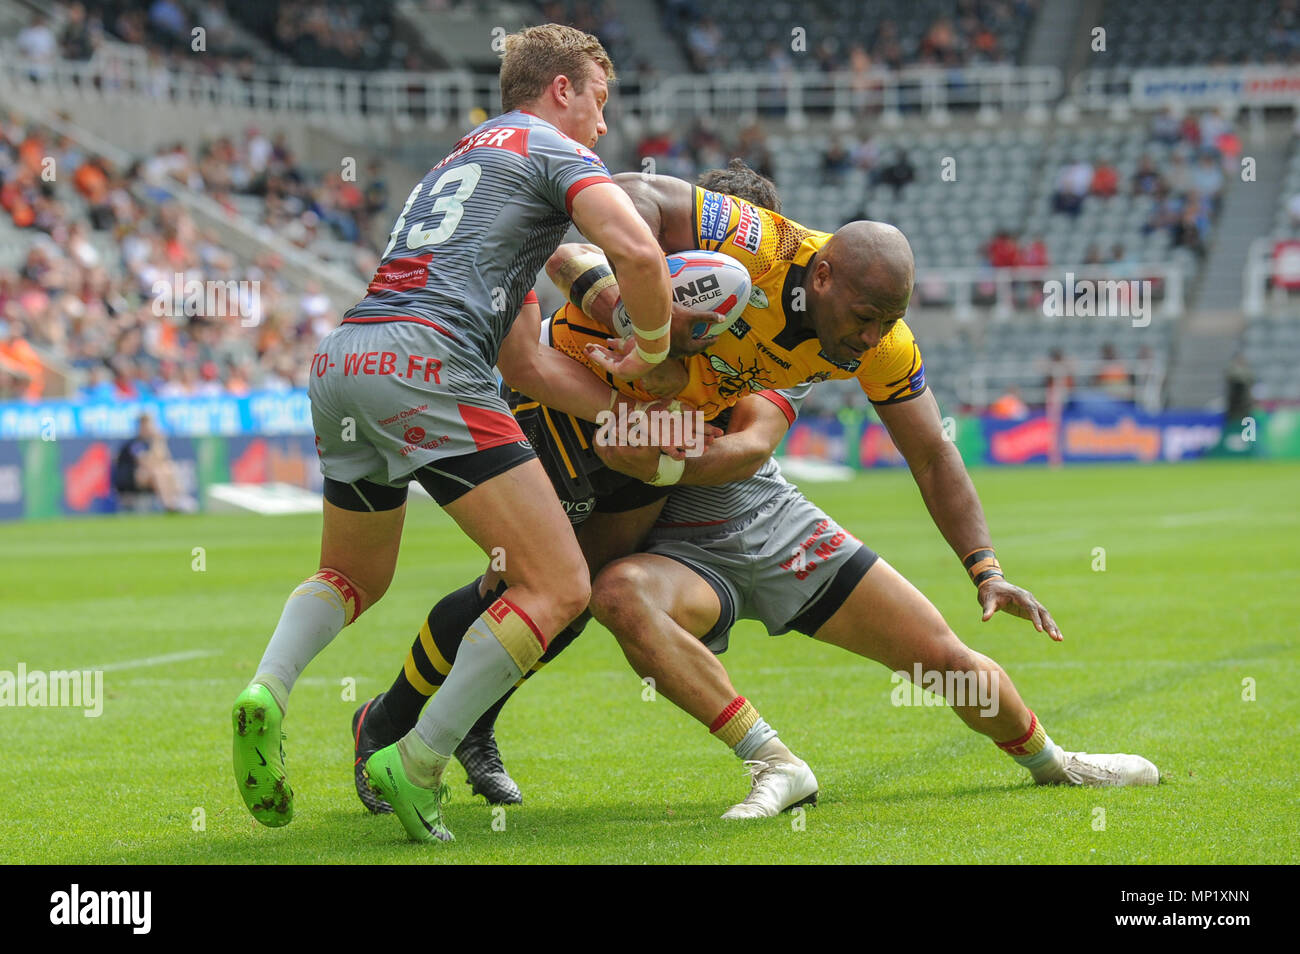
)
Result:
{"points": [[857, 318]]}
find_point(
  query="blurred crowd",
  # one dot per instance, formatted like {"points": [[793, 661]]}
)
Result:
{"points": [[299, 205], [84, 299], [236, 34], [1185, 191], [973, 34]]}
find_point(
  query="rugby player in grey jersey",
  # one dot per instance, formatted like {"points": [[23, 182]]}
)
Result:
{"points": [[405, 389]]}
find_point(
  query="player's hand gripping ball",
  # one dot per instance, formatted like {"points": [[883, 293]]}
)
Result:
{"points": [[702, 281]]}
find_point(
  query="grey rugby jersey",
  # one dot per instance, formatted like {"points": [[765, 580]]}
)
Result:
{"points": [[477, 229], [708, 506]]}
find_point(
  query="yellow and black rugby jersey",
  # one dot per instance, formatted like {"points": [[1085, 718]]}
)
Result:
{"points": [[766, 349]]}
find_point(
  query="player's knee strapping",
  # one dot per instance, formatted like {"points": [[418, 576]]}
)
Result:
{"points": [[332, 586], [513, 629]]}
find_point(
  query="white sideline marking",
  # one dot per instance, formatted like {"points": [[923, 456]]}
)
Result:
{"points": [[156, 660], [1202, 516]]}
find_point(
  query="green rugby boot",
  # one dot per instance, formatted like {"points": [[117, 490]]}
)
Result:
{"points": [[259, 756], [418, 809]]}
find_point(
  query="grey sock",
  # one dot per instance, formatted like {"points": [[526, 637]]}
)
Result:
{"points": [[312, 617], [753, 740], [483, 671]]}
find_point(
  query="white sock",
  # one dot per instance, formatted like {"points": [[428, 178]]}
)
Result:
{"points": [[312, 617], [422, 765]]}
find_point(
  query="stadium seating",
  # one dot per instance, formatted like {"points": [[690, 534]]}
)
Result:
{"points": [[894, 32], [1272, 348], [1162, 33]]}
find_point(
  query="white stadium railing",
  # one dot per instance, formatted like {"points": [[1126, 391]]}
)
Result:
{"points": [[962, 286], [1252, 86], [1266, 277], [120, 72], [982, 383]]}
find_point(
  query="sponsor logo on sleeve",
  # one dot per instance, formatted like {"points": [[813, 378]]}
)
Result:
{"points": [[749, 230], [589, 157], [715, 214]]}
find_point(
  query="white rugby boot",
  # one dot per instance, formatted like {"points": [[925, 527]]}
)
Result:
{"points": [[777, 782], [1100, 771]]}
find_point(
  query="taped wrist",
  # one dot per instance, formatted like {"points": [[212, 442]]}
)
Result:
{"points": [[670, 471], [982, 565], [650, 357], [583, 277]]}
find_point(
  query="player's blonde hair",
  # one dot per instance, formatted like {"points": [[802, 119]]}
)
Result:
{"points": [[535, 56]]}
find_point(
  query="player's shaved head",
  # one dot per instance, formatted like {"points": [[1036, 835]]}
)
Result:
{"points": [[876, 260]]}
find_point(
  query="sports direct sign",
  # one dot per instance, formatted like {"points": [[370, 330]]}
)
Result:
{"points": [[1211, 86]]}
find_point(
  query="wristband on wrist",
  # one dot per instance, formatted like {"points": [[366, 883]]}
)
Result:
{"points": [[651, 357], [656, 334], [669, 471], [982, 565]]}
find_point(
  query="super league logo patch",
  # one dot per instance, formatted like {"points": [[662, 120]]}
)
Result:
{"points": [[589, 157], [715, 215]]}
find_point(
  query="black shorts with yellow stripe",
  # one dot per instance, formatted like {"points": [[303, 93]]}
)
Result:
{"points": [[564, 444]]}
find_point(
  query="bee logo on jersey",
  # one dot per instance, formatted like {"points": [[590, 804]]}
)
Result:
{"points": [[735, 381], [715, 215]]}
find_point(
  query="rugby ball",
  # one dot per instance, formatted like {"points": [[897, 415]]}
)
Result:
{"points": [[702, 281]]}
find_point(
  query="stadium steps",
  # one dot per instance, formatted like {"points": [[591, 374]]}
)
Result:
{"points": [[1245, 206], [652, 43], [462, 36], [1055, 30], [1206, 343]]}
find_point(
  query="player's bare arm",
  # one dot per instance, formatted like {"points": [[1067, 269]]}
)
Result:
{"points": [[582, 274], [756, 428], [606, 216], [950, 496], [666, 204], [548, 375]]}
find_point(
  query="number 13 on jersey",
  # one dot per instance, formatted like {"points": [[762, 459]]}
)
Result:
{"points": [[451, 206]]}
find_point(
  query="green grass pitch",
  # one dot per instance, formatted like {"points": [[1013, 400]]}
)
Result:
{"points": [[1197, 598]]}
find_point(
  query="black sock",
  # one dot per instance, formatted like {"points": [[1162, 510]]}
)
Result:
{"points": [[429, 660]]}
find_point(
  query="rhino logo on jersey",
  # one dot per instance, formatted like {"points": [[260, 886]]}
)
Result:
{"points": [[758, 298]]}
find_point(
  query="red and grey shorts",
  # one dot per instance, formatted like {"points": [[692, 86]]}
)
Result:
{"points": [[399, 399]]}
